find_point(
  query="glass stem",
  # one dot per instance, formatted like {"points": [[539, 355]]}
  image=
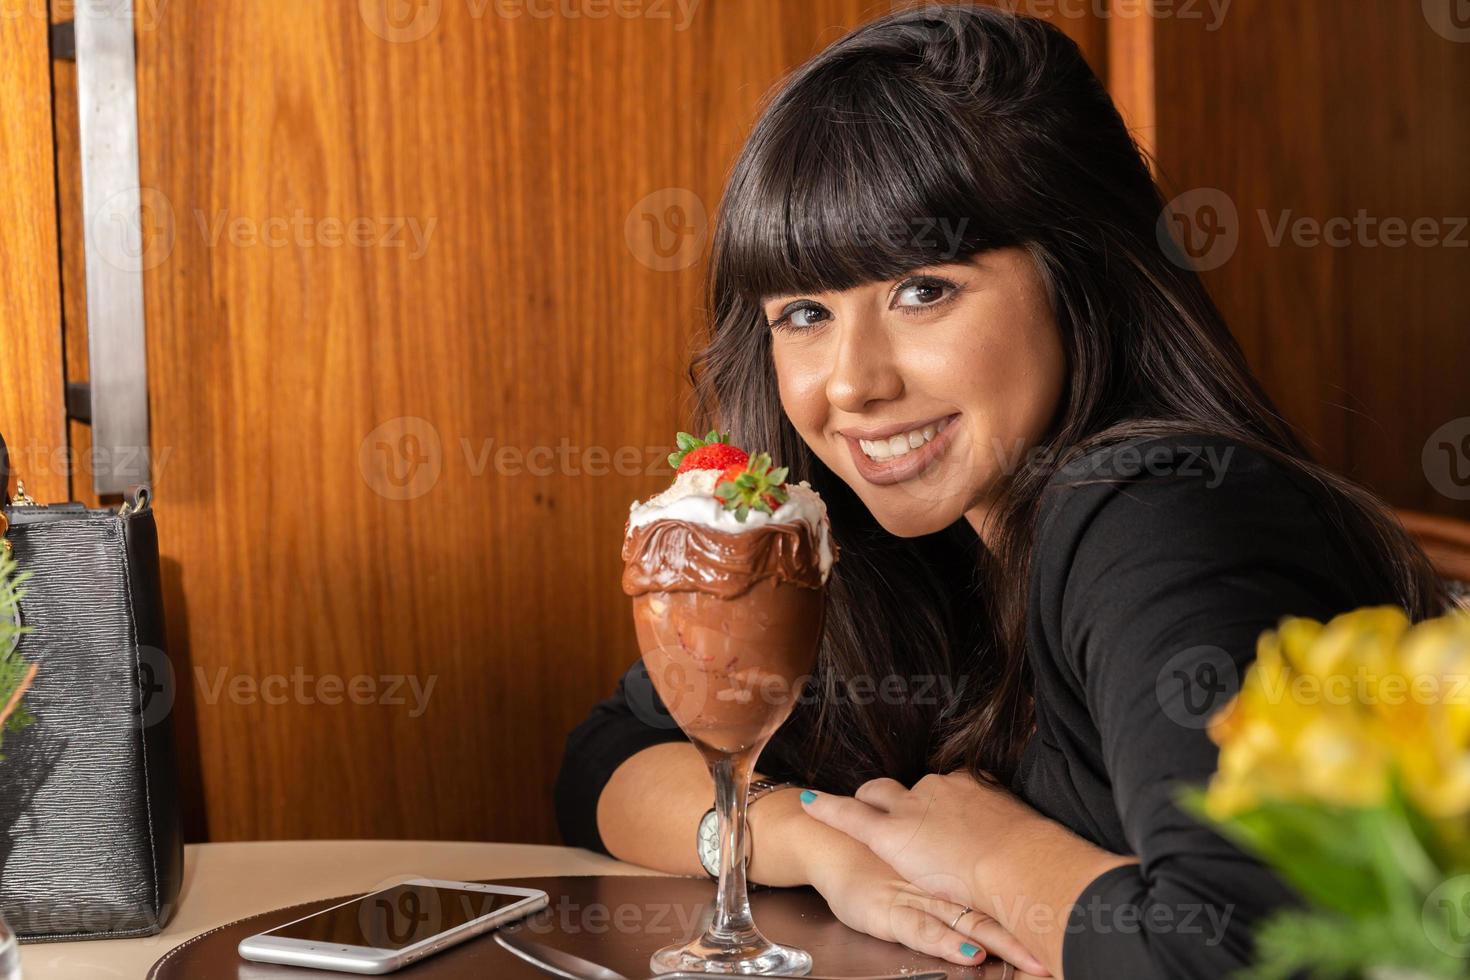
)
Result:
{"points": [[732, 921]]}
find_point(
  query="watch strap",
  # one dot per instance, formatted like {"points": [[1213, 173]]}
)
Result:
{"points": [[761, 787]]}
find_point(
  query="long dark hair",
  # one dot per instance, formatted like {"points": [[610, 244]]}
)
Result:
{"points": [[923, 137]]}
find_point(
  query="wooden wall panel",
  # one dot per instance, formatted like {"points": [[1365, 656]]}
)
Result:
{"points": [[1130, 75], [506, 308], [32, 407], [397, 249], [1323, 111], [71, 229]]}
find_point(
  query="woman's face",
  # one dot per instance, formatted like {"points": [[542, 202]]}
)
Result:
{"points": [[925, 391]]}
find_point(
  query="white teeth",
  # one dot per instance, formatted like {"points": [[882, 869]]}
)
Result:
{"points": [[900, 445]]}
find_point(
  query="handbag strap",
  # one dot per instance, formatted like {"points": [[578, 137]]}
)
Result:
{"points": [[4, 473], [6, 500], [6, 548]]}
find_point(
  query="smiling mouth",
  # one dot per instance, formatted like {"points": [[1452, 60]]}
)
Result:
{"points": [[893, 447], [890, 459]]}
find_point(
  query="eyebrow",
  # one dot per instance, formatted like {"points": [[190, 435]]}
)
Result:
{"points": [[762, 301], [974, 263], [765, 301]]}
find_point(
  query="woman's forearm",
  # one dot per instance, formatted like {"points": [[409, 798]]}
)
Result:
{"points": [[649, 813], [1031, 880]]}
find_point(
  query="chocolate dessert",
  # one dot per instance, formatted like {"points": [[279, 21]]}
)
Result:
{"points": [[726, 569]]}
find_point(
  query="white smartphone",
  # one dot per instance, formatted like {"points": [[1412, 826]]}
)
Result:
{"points": [[391, 928]]}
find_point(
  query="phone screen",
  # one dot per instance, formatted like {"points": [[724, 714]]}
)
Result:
{"points": [[396, 917]]}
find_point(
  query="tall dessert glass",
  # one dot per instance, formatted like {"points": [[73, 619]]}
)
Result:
{"points": [[728, 622]]}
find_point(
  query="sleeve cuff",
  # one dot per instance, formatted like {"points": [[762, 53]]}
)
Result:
{"points": [[1098, 944]]}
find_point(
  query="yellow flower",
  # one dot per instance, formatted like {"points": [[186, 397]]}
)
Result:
{"points": [[1330, 713]]}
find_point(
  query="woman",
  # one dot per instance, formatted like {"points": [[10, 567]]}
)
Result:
{"points": [[941, 222]]}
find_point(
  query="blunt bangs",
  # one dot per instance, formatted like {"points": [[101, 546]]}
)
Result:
{"points": [[866, 185]]}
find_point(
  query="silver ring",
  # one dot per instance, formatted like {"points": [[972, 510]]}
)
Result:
{"points": [[963, 912], [1009, 971]]}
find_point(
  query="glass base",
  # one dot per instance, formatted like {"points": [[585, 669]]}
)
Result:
{"points": [[757, 958]]}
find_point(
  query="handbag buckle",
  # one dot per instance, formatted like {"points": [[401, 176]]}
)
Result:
{"points": [[22, 499]]}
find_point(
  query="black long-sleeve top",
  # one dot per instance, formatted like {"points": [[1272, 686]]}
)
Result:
{"points": [[1157, 564]]}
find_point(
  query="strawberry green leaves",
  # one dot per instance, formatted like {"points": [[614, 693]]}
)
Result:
{"points": [[752, 486], [687, 443]]}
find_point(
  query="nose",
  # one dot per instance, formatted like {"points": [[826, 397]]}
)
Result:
{"points": [[863, 370]]}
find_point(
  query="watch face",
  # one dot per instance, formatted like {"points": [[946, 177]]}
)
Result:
{"points": [[709, 843]]}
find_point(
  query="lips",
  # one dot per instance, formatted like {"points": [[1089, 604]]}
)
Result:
{"points": [[904, 442], [899, 466]]}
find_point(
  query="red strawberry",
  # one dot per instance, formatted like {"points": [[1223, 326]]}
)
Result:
{"points": [[716, 456], [713, 452], [731, 472], [753, 485]]}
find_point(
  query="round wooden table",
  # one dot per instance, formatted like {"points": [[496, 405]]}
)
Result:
{"points": [[224, 882]]}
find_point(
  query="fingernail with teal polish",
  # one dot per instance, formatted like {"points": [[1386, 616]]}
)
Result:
{"points": [[969, 949], [807, 796]]}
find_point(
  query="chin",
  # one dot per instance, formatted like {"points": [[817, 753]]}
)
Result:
{"points": [[909, 522]]}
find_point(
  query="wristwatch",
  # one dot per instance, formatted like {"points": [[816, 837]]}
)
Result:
{"points": [[708, 841]]}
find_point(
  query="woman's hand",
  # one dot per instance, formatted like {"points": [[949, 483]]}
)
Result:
{"points": [[790, 848], [936, 835], [974, 843], [869, 896]]}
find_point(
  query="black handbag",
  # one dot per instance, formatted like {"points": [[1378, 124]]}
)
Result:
{"points": [[90, 841]]}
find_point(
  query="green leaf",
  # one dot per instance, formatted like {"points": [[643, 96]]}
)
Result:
{"points": [[755, 487], [1414, 844], [1331, 946], [686, 441], [13, 669], [1445, 915], [1324, 852]]}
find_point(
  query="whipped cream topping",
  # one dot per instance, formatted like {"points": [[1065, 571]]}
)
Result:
{"points": [[692, 498]]}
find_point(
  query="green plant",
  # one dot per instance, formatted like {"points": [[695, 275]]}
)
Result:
{"points": [[1345, 766], [15, 674]]}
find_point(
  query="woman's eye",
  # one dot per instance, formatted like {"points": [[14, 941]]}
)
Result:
{"points": [[923, 292], [916, 294], [807, 316], [798, 317]]}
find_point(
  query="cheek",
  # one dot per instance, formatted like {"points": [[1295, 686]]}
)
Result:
{"points": [[802, 383], [1015, 379], [1041, 374]]}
